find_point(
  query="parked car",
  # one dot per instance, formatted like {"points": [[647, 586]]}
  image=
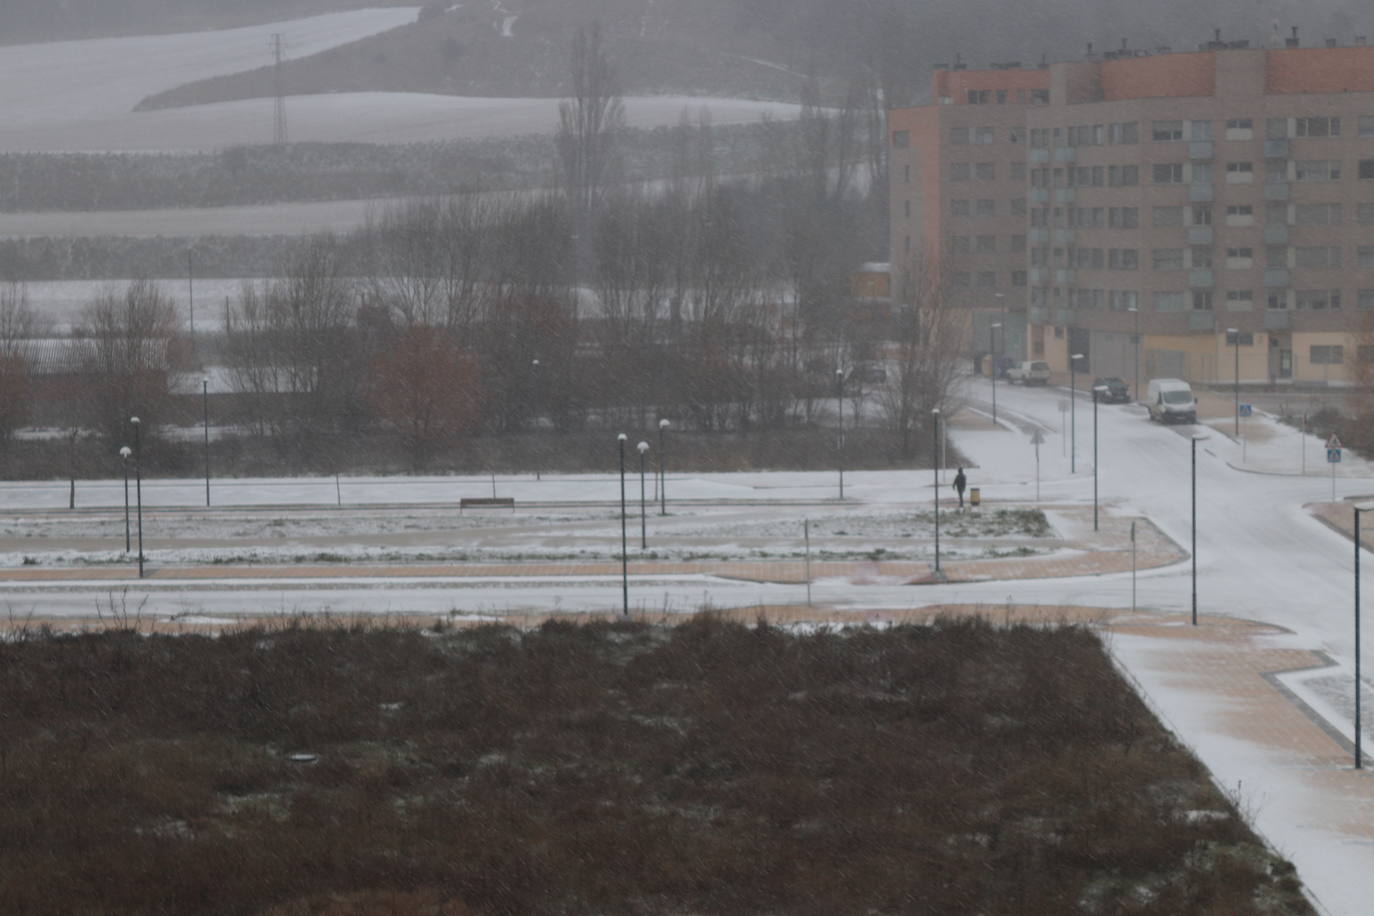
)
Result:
{"points": [[1031, 372], [1111, 391]]}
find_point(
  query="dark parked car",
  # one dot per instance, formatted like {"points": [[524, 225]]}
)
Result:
{"points": [[1115, 391]]}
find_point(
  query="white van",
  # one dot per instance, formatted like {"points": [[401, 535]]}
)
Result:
{"points": [[1170, 400]]}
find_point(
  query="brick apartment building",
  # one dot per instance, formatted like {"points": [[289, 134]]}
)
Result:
{"points": [[1135, 207]]}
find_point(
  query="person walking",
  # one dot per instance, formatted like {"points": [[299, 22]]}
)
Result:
{"points": [[960, 481]]}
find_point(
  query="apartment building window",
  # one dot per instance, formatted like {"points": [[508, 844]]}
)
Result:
{"points": [[1040, 217], [1367, 126], [1166, 217], [1365, 299], [1040, 138], [1166, 130], [1017, 171], [1240, 300], [983, 136], [1123, 133], [980, 96], [1202, 214], [1123, 176], [1327, 354], [1366, 169], [1168, 259], [1317, 300], [901, 138], [959, 279], [1364, 213], [1200, 172], [906, 209], [1240, 215], [1277, 300], [1318, 257], [959, 206], [1202, 300], [1276, 128], [1240, 129], [1199, 130], [1201, 257], [984, 171], [1089, 176], [1123, 217], [1318, 170], [1275, 212], [1276, 256], [1018, 206], [1167, 173], [1060, 179], [1169, 301], [1123, 259], [1018, 278], [1276, 171], [959, 244], [906, 173], [1364, 353], [985, 206], [1317, 127], [1040, 96], [1122, 300], [1240, 172], [1318, 214], [986, 279], [1016, 135], [985, 244], [1090, 259], [1039, 257], [1040, 178], [1240, 258], [958, 171], [1364, 255], [958, 136]]}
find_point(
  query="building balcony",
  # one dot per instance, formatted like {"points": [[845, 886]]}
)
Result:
{"points": [[1200, 193], [1037, 156], [1200, 149], [1276, 190], [1276, 276], [1065, 276], [1278, 320], [1038, 236], [1063, 316], [1200, 277], [1038, 314], [1039, 195], [1276, 233], [1038, 276], [1064, 236], [1275, 149], [1199, 320], [1065, 154], [1199, 235], [1064, 195]]}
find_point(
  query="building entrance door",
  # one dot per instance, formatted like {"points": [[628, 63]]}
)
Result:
{"points": [[1285, 363]]}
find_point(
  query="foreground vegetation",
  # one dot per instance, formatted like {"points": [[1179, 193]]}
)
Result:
{"points": [[605, 767]]}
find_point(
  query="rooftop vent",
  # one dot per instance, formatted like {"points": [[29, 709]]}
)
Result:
{"points": [[1331, 42], [1292, 40], [1360, 41]]}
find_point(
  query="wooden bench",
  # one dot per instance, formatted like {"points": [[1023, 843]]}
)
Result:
{"points": [[486, 502]]}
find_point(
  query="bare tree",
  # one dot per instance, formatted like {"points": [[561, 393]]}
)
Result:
{"points": [[589, 121], [129, 345], [18, 326], [426, 389]]}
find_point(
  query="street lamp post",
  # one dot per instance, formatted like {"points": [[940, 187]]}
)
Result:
{"points": [[205, 409], [839, 436], [662, 469], [1359, 761], [1234, 335], [643, 524], [1098, 391], [124, 453], [1073, 412], [1136, 350], [992, 359], [624, 543], [1194, 441], [534, 408], [138, 488], [934, 447]]}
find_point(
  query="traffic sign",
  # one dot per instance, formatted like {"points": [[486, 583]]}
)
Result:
{"points": [[1333, 442], [1333, 456], [1246, 410], [1037, 437]]}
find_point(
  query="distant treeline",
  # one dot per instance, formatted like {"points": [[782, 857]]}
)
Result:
{"points": [[103, 257], [246, 175]]}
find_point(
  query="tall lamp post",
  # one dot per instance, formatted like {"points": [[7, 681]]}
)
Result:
{"points": [[1359, 762], [138, 488], [624, 543], [534, 374], [839, 436], [934, 460], [1233, 337], [662, 469], [992, 358], [124, 453], [1073, 412], [1098, 391], [205, 409], [1194, 441], [1135, 312], [643, 524]]}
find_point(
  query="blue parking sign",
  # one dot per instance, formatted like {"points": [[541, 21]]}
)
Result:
{"points": [[1333, 456], [1246, 410]]}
